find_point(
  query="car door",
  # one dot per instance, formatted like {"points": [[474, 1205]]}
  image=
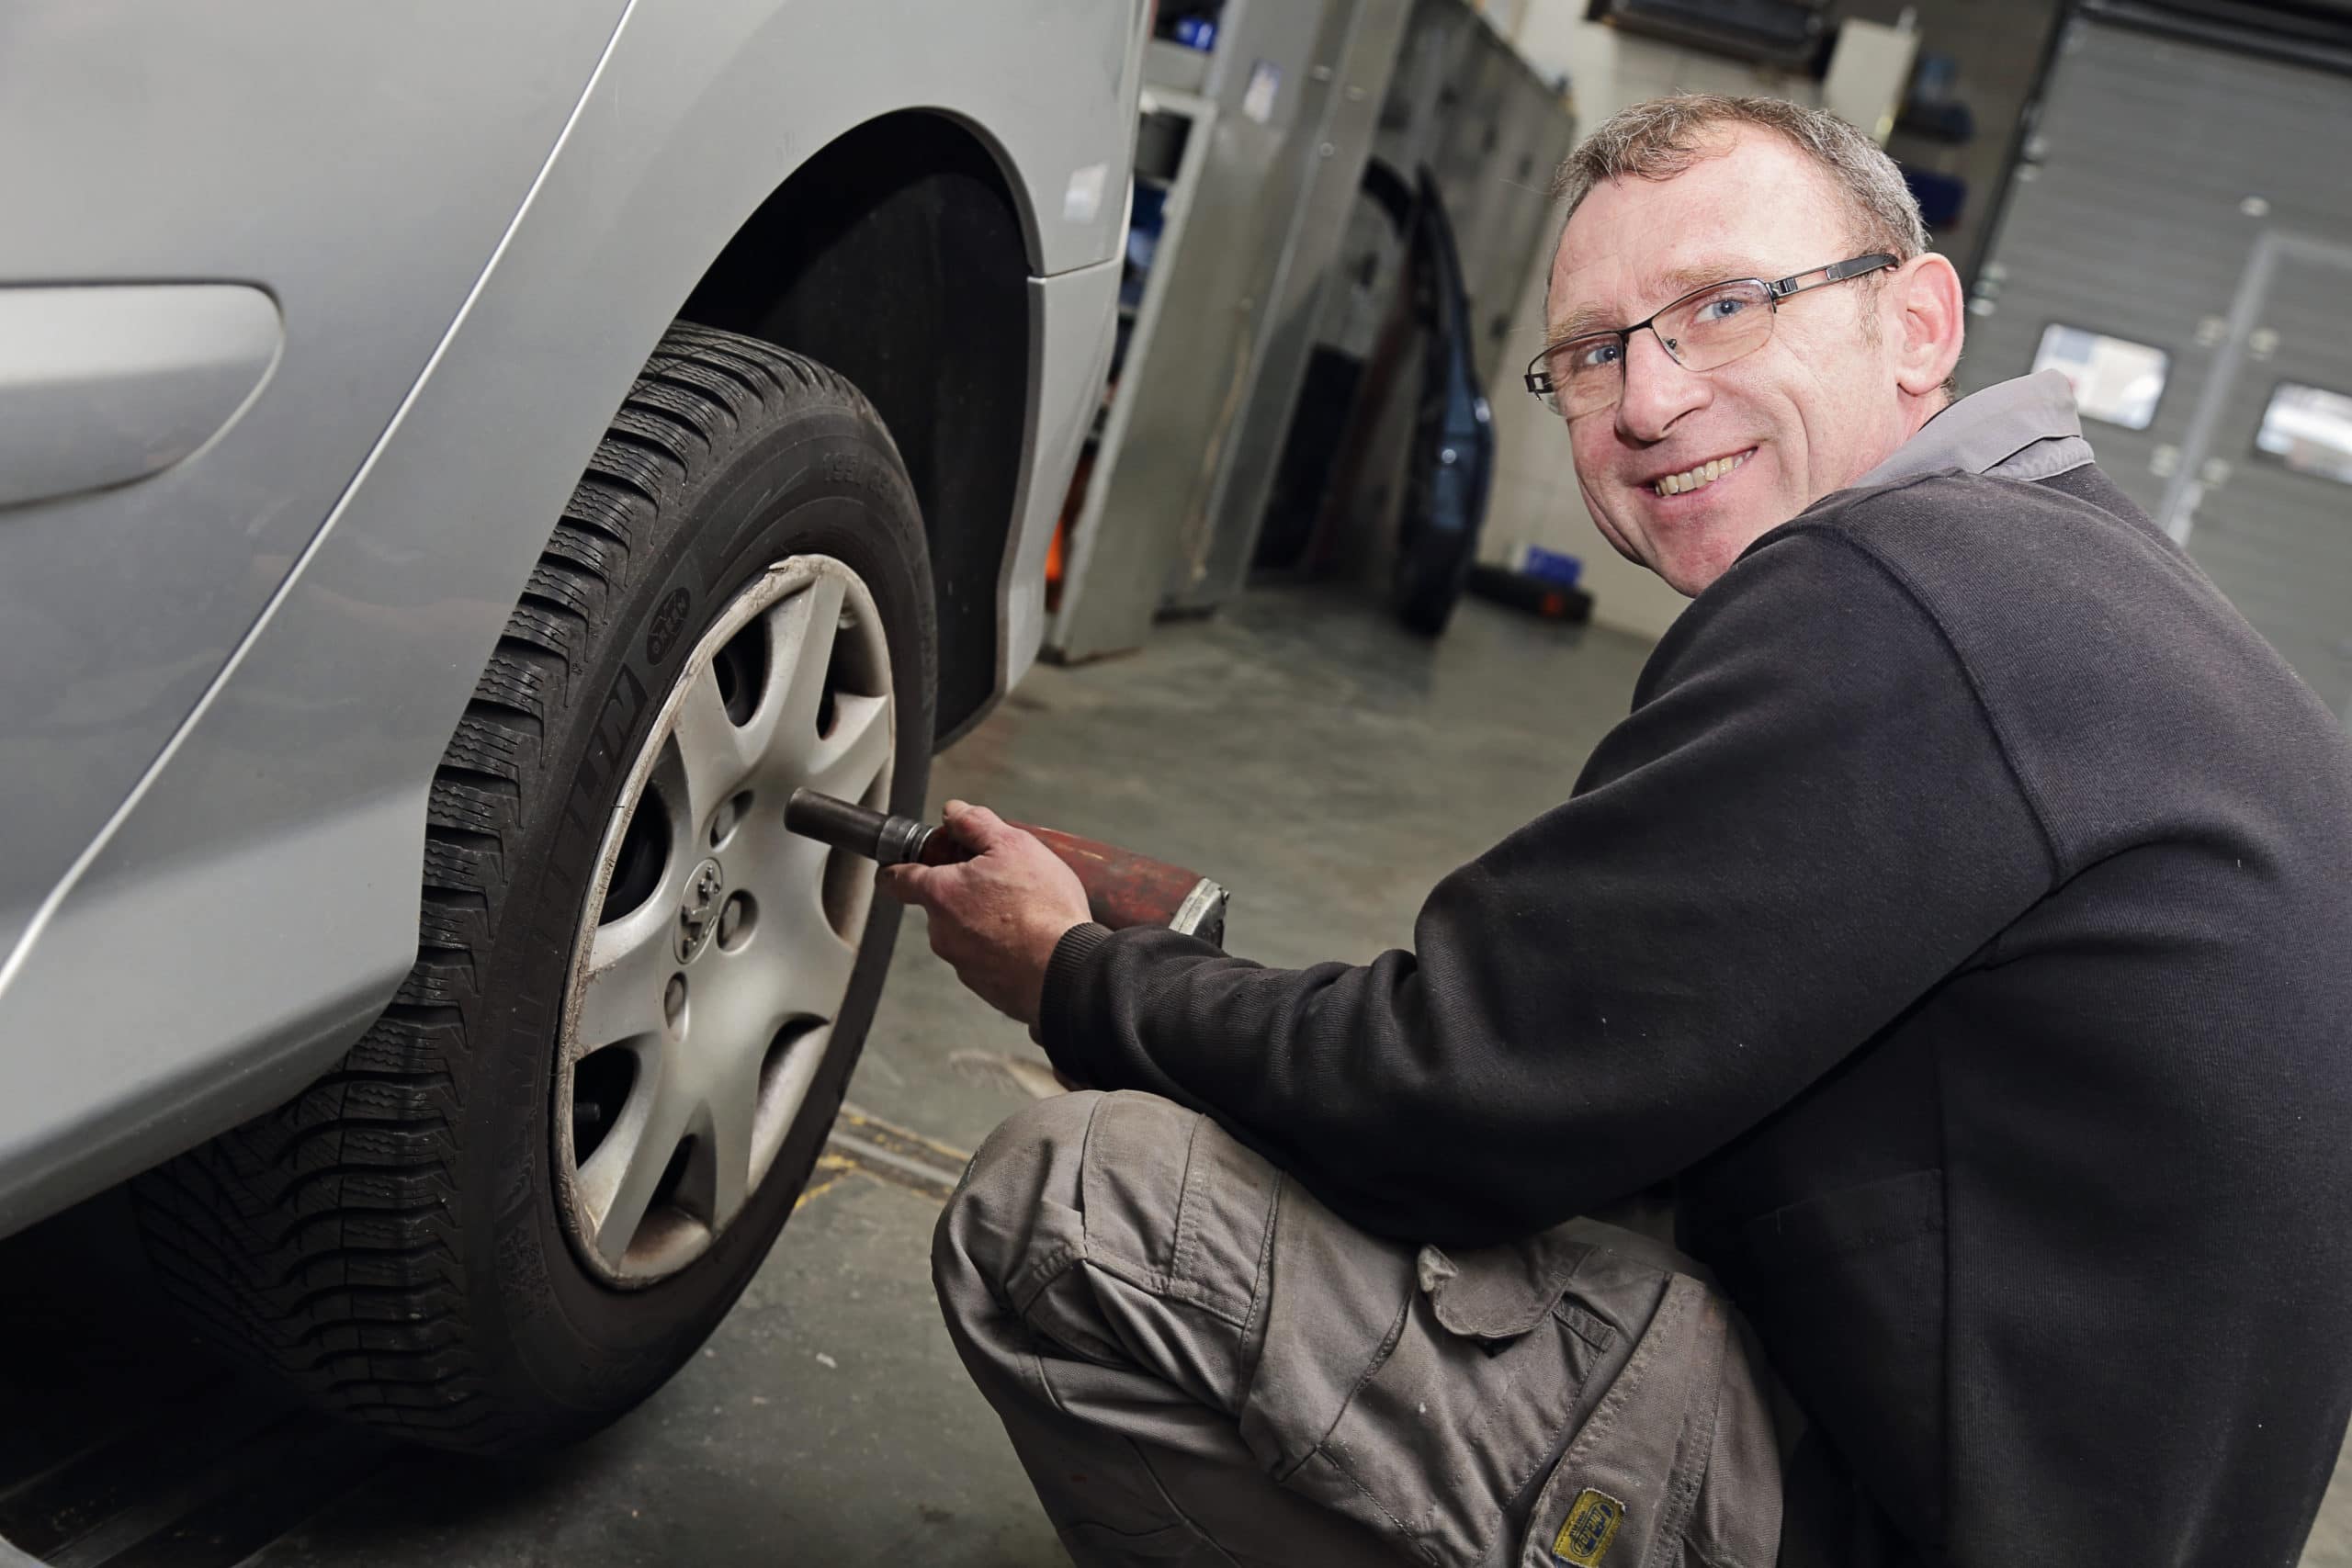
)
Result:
{"points": [[233, 237]]}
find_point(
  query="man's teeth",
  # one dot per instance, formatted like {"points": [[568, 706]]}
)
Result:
{"points": [[1704, 474]]}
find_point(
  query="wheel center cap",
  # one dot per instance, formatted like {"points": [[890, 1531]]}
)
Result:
{"points": [[699, 910]]}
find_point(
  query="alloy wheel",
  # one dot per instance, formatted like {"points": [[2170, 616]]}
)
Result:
{"points": [[704, 990]]}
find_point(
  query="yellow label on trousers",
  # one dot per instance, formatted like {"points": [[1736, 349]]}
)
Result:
{"points": [[1591, 1525]]}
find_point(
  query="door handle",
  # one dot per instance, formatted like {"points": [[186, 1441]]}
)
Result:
{"points": [[105, 384]]}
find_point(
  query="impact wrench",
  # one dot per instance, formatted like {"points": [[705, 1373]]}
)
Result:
{"points": [[1122, 888]]}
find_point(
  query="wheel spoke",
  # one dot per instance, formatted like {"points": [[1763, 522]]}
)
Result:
{"points": [[714, 754], [629, 963], [784, 1093], [797, 966], [803, 959], [802, 630], [781, 870], [741, 1000], [846, 762], [617, 1183], [818, 963], [729, 1145]]}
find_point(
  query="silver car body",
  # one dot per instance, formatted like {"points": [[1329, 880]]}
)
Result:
{"points": [[389, 272]]}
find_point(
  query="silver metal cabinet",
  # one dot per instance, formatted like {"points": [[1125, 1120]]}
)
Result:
{"points": [[2179, 239], [1345, 87], [1215, 282], [1106, 599]]}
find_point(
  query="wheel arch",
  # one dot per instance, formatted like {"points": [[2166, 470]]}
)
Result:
{"points": [[900, 254]]}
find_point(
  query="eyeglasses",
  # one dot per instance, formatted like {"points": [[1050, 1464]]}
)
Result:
{"points": [[1705, 330]]}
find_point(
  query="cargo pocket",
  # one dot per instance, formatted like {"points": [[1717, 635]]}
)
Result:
{"points": [[1429, 1427], [1676, 1465]]}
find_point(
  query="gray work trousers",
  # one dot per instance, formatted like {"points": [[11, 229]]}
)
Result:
{"points": [[1198, 1363]]}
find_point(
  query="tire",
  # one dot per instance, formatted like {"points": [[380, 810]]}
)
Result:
{"points": [[1422, 589], [406, 1241], [1420, 597]]}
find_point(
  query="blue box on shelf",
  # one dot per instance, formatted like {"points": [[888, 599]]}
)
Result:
{"points": [[1551, 566]]}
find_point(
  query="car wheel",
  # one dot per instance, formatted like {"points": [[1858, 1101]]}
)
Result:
{"points": [[542, 1178], [1422, 586]]}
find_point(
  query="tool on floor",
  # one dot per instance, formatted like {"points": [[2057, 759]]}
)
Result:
{"points": [[1123, 887]]}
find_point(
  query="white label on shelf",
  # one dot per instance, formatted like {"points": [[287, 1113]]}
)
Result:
{"points": [[1265, 86]]}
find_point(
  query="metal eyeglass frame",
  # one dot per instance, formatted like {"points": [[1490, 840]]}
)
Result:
{"points": [[1539, 380]]}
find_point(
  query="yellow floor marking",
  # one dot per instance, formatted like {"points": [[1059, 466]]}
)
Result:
{"points": [[866, 1118], [808, 1194], [811, 1194]]}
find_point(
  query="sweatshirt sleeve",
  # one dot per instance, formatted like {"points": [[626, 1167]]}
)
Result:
{"points": [[1807, 821]]}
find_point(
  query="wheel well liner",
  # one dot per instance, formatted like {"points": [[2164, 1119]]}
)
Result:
{"points": [[897, 256]]}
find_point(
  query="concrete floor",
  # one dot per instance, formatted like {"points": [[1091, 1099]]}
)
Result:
{"points": [[1324, 764]]}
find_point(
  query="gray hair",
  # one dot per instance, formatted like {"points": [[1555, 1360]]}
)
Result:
{"points": [[1657, 140]]}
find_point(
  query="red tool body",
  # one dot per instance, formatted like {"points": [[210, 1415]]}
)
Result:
{"points": [[1123, 889]]}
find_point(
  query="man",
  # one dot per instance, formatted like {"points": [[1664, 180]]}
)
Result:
{"points": [[1962, 920]]}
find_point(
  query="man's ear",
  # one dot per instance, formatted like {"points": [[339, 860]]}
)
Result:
{"points": [[1930, 317]]}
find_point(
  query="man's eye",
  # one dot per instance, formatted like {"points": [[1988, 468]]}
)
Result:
{"points": [[1594, 356], [1722, 309]]}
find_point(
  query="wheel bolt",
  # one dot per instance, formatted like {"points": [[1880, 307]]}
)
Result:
{"points": [[673, 1000]]}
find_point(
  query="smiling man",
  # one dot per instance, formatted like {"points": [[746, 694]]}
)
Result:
{"points": [[1958, 920], [1737, 400]]}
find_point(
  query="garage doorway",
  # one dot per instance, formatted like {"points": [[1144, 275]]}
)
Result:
{"points": [[2175, 239]]}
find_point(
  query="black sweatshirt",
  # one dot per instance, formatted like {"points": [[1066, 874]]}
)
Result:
{"points": [[1963, 917]]}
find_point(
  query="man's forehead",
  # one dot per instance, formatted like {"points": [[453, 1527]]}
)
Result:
{"points": [[1636, 244], [1647, 287]]}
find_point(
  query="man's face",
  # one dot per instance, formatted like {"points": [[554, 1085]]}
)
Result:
{"points": [[1808, 413]]}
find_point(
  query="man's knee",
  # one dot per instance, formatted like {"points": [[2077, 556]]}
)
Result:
{"points": [[1031, 1159], [1021, 1212], [1034, 1148], [1017, 1208]]}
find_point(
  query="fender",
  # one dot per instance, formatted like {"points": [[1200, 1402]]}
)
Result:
{"points": [[252, 903]]}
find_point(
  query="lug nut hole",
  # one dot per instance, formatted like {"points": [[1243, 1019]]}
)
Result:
{"points": [[737, 917], [724, 821]]}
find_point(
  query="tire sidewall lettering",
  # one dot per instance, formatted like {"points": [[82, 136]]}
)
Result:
{"points": [[670, 617]]}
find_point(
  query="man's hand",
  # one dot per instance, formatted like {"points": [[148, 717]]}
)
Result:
{"points": [[998, 916]]}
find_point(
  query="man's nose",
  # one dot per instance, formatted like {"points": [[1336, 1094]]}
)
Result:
{"points": [[1657, 390]]}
